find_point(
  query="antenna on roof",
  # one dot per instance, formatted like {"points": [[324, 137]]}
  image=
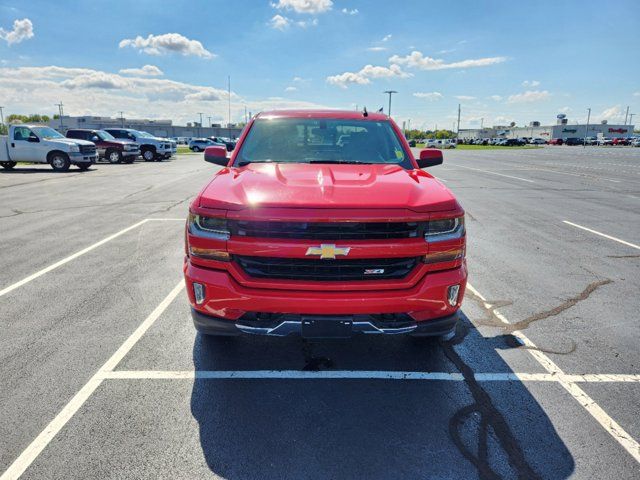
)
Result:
{"points": [[381, 109], [365, 113]]}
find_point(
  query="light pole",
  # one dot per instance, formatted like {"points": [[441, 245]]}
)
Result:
{"points": [[121, 119], [229, 102], [458, 129], [626, 115], [389, 92], [586, 130], [60, 109], [1, 116], [630, 117], [200, 125]]}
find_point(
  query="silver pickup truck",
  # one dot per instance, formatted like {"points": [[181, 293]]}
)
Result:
{"points": [[41, 144]]}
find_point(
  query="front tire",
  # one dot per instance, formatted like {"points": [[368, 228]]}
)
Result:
{"points": [[83, 166], [149, 155], [8, 165], [114, 156], [60, 162]]}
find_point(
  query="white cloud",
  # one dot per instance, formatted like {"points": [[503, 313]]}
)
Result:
{"points": [[612, 113], [363, 76], [291, 89], [431, 96], [94, 92], [307, 23], [304, 6], [22, 30], [346, 11], [377, 49], [529, 96], [386, 38], [565, 109], [279, 22], [464, 98], [496, 98], [417, 60], [531, 83], [146, 71], [167, 43], [636, 94]]}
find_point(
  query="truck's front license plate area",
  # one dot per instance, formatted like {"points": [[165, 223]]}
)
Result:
{"points": [[327, 327]]}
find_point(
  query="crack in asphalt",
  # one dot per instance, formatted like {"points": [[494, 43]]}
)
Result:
{"points": [[494, 321], [490, 421]]}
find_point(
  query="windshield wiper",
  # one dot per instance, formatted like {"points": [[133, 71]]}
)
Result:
{"points": [[244, 163], [339, 161]]}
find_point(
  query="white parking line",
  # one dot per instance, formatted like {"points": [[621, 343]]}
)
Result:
{"points": [[629, 244], [59, 263], [589, 404], [492, 173], [30, 453], [359, 375]]}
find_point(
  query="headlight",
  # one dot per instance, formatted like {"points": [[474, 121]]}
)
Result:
{"points": [[444, 229], [210, 227], [74, 148]]}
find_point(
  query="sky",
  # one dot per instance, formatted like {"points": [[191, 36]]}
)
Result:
{"points": [[502, 61]]}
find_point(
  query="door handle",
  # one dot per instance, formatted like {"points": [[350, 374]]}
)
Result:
{"points": [[13, 145]]}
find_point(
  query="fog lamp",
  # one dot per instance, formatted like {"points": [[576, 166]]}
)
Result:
{"points": [[452, 295], [198, 292]]}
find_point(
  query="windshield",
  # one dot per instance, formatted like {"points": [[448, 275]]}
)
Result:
{"points": [[144, 134], [304, 140], [47, 132], [105, 135]]}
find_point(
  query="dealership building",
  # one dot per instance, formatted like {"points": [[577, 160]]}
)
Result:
{"points": [[562, 129], [160, 128]]}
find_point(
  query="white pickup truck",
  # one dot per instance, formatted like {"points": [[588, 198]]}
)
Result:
{"points": [[40, 144]]}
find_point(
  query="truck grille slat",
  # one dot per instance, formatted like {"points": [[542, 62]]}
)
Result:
{"points": [[327, 231], [326, 270]]}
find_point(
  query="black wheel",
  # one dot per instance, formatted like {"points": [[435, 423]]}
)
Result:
{"points": [[149, 155], [59, 161], [114, 156], [8, 165], [83, 166]]}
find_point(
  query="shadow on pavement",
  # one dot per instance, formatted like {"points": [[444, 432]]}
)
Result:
{"points": [[366, 428]]}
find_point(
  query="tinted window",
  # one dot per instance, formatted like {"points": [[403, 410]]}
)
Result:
{"points": [[304, 140], [74, 134]]}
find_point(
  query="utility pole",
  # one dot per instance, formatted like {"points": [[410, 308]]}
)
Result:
{"points": [[121, 119], [586, 130], [458, 129], [626, 115], [246, 120], [389, 92], [200, 125], [630, 117], [60, 109], [209, 121], [482, 123], [229, 101]]}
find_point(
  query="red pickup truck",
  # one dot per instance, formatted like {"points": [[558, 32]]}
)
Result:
{"points": [[322, 224]]}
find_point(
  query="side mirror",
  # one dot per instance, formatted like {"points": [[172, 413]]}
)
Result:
{"points": [[33, 139], [216, 155], [95, 138], [430, 157]]}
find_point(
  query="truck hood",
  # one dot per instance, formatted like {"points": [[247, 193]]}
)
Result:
{"points": [[299, 185], [68, 141]]}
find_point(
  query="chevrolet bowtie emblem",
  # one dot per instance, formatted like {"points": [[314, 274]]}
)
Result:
{"points": [[328, 251]]}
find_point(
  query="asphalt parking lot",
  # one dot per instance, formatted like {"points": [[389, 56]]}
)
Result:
{"points": [[103, 376]]}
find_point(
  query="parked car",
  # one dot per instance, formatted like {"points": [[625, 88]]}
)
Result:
{"points": [[573, 141], [635, 142], [152, 148], [230, 144], [621, 141], [514, 142], [108, 147], [591, 141], [40, 144], [254, 272], [605, 141], [538, 141], [556, 141], [199, 144]]}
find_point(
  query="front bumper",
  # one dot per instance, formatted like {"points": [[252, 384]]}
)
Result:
{"points": [[77, 157], [228, 304]]}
